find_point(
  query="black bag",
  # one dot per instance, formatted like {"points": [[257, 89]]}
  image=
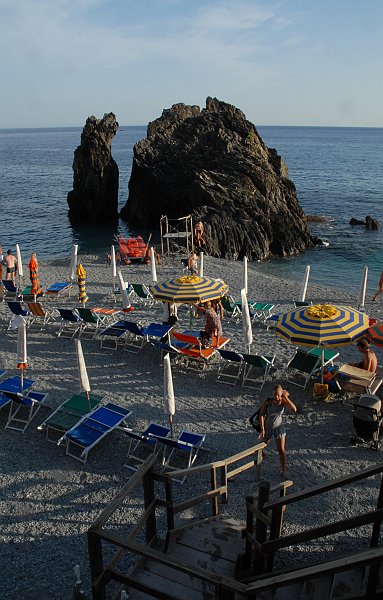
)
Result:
{"points": [[254, 421]]}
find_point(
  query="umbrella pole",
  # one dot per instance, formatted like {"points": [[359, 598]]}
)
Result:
{"points": [[322, 364], [88, 399], [171, 425], [21, 380]]}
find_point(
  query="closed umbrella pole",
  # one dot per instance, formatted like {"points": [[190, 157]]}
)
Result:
{"points": [[83, 375], [305, 284], [246, 321], [363, 289], [73, 262], [22, 360], [169, 401], [153, 266], [124, 295], [244, 274], [200, 265], [19, 263], [114, 267]]}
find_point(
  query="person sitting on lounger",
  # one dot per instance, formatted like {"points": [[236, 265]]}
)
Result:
{"points": [[370, 361]]}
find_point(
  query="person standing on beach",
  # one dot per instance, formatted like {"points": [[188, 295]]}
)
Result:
{"points": [[1, 261], [380, 290], [193, 264], [271, 422], [11, 263]]}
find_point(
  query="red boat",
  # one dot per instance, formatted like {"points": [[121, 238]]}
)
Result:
{"points": [[132, 249]]}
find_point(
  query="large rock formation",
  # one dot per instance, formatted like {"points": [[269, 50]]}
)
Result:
{"points": [[94, 197], [214, 165]]}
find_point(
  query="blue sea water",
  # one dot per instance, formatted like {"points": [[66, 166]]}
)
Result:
{"points": [[338, 173]]}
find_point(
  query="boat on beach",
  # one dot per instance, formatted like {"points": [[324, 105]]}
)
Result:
{"points": [[132, 250]]}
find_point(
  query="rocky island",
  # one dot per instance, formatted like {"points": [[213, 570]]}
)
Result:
{"points": [[94, 198], [213, 164]]}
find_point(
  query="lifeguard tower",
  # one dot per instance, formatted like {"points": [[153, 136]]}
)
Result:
{"points": [[176, 235]]}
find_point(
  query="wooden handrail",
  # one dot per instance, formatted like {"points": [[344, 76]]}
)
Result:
{"points": [[324, 487], [324, 530]]}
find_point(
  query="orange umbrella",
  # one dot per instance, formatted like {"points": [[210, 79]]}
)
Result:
{"points": [[33, 266], [374, 334]]}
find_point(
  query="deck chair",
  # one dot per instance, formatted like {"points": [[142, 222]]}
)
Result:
{"points": [[13, 385], [181, 453], [141, 445], [193, 353], [229, 367], [70, 323], [114, 334], [4, 401], [302, 364], [39, 314], [143, 294], [302, 303], [92, 428], [261, 310], [68, 414], [231, 308], [11, 290], [17, 310], [91, 322], [254, 363], [60, 289], [328, 355], [24, 408]]}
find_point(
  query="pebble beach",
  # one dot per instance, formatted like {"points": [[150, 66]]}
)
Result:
{"points": [[49, 500]]}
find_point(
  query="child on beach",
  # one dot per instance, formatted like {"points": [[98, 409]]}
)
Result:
{"points": [[271, 422], [380, 290]]}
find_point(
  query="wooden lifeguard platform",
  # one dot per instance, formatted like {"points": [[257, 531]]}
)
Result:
{"points": [[216, 556]]}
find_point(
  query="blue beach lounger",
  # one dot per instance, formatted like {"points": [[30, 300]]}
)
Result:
{"points": [[142, 444], [181, 453], [59, 289], [115, 333], [92, 428], [23, 409], [13, 384]]}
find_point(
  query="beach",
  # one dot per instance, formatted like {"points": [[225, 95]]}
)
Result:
{"points": [[49, 500]]}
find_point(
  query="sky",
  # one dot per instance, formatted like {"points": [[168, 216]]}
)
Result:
{"points": [[286, 62]]}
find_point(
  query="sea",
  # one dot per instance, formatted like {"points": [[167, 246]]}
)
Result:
{"points": [[338, 173]]}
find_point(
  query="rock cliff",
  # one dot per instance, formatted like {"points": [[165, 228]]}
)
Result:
{"points": [[94, 197], [214, 165]]}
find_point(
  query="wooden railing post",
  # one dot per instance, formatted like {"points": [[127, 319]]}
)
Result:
{"points": [[148, 486], [96, 565], [169, 500], [223, 472], [213, 482], [250, 530], [276, 528], [261, 527], [377, 525]]}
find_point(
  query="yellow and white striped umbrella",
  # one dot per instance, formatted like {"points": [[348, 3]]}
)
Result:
{"points": [[189, 288], [322, 325]]}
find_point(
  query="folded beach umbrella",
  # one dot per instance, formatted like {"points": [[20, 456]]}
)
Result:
{"points": [[305, 284], [189, 289], [73, 262], [153, 265], [33, 266], [169, 401], [22, 359], [246, 321], [81, 280], [19, 263], [200, 265], [244, 274], [114, 267], [83, 375], [124, 296], [322, 325], [363, 288]]}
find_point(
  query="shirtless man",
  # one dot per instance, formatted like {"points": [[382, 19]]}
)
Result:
{"points": [[11, 263], [380, 290], [370, 361]]}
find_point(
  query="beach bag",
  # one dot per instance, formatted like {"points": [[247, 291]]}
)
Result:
{"points": [[204, 339], [320, 391], [254, 419]]}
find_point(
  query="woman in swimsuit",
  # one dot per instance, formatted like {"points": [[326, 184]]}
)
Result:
{"points": [[271, 422]]}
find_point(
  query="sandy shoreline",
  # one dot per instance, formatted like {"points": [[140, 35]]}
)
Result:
{"points": [[48, 500]]}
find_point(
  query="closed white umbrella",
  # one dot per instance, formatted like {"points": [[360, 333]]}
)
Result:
{"points": [[200, 265], [363, 289], [22, 359], [124, 295], [19, 262], [114, 267], [153, 266], [244, 274], [73, 262], [246, 321], [169, 401], [82, 372], [305, 284]]}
